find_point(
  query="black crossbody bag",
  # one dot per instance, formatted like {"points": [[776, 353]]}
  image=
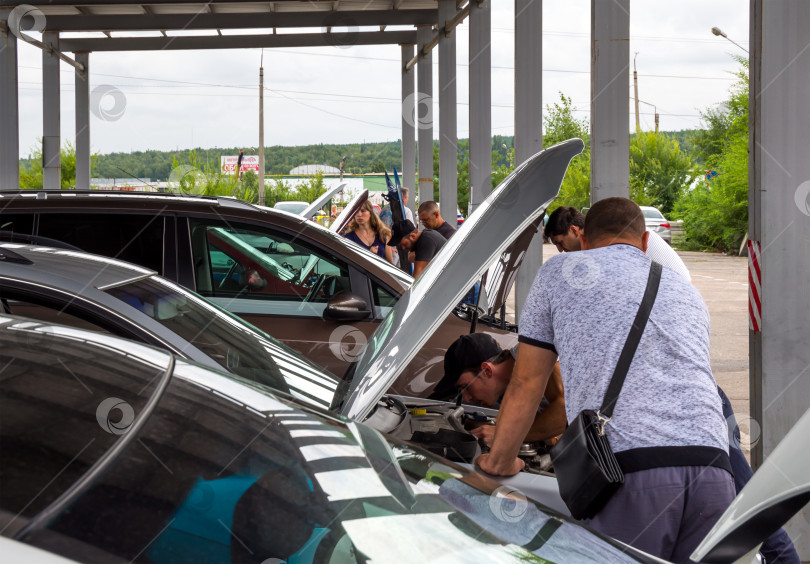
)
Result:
{"points": [[586, 468]]}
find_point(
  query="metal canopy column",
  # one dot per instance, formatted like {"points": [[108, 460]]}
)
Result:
{"points": [[51, 164], [423, 113], [528, 120], [480, 103], [448, 118], [10, 131], [779, 222], [610, 104], [82, 85], [408, 130]]}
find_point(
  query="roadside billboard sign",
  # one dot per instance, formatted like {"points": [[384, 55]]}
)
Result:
{"points": [[249, 162]]}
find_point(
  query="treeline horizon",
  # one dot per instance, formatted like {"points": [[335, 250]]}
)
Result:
{"points": [[363, 158]]}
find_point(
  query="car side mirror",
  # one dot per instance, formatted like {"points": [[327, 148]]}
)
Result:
{"points": [[345, 306]]}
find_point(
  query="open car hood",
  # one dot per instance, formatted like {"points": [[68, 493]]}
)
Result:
{"points": [[778, 489], [348, 212], [320, 202], [512, 207]]}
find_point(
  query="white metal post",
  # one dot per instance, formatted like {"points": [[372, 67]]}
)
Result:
{"points": [[480, 103], [528, 120], [448, 117], [610, 107], [423, 114], [51, 137], [82, 88], [780, 228], [10, 130]]}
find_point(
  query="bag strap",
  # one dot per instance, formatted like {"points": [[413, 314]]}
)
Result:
{"points": [[630, 346]]}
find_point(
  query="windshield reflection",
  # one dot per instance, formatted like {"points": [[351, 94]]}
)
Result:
{"points": [[232, 343]]}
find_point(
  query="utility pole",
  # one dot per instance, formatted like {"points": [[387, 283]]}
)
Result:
{"points": [[635, 90], [261, 130]]}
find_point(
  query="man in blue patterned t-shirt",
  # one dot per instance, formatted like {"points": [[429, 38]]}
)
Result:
{"points": [[667, 430]]}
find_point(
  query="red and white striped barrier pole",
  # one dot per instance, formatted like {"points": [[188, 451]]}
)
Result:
{"points": [[754, 287]]}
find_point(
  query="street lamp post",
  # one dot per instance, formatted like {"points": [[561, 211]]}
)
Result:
{"points": [[719, 32]]}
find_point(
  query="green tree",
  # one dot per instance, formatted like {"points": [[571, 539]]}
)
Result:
{"points": [[561, 124], [715, 214], [31, 174], [309, 190], [659, 170]]}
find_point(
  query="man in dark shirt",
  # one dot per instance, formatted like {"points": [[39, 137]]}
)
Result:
{"points": [[430, 217], [424, 244]]}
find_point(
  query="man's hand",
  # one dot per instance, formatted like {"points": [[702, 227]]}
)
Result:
{"points": [[411, 256], [491, 466], [485, 433]]}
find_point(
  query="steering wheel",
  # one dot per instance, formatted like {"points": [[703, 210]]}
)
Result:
{"points": [[315, 288], [227, 277]]}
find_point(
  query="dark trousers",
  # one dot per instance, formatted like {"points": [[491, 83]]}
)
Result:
{"points": [[778, 547], [666, 511]]}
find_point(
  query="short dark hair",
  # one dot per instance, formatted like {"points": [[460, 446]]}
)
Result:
{"points": [[614, 217], [430, 206], [561, 220]]}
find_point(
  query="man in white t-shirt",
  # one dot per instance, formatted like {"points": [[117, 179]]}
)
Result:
{"points": [[566, 225], [667, 430]]}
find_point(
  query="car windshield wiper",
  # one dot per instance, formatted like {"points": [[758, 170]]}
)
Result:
{"points": [[97, 470]]}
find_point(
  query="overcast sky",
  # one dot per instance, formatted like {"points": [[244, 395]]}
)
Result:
{"points": [[184, 99]]}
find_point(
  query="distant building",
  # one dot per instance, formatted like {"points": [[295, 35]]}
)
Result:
{"points": [[312, 169]]}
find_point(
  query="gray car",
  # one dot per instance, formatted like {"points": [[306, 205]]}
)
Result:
{"points": [[657, 223]]}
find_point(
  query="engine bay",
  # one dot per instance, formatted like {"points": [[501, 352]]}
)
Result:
{"points": [[443, 428]]}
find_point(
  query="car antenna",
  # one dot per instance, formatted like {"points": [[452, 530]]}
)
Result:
{"points": [[136, 178]]}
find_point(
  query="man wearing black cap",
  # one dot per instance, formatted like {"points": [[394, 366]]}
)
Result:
{"points": [[477, 367], [425, 244]]}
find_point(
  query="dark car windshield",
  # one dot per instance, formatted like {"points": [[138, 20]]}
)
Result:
{"points": [[233, 344]]}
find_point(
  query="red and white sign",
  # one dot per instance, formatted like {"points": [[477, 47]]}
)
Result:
{"points": [[754, 287], [249, 162]]}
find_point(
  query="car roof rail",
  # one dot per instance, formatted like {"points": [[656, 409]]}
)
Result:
{"points": [[45, 192], [13, 237]]}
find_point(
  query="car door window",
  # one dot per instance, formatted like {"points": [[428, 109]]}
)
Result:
{"points": [[254, 270]]}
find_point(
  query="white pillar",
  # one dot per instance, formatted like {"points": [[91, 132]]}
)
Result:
{"points": [[448, 118], [408, 127], [779, 222], [480, 103], [82, 87], [51, 137], [528, 120], [610, 100], [9, 117], [423, 114]]}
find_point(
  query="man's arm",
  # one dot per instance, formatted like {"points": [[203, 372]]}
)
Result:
{"points": [[529, 378], [551, 422], [546, 425], [418, 267]]}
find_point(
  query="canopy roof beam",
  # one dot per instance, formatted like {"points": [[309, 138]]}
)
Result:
{"points": [[174, 43], [215, 20]]}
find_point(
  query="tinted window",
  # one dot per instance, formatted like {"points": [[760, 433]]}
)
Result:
{"points": [[128, 237], [653, 214], [17, 223], [235, 345], [61, 406]]}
